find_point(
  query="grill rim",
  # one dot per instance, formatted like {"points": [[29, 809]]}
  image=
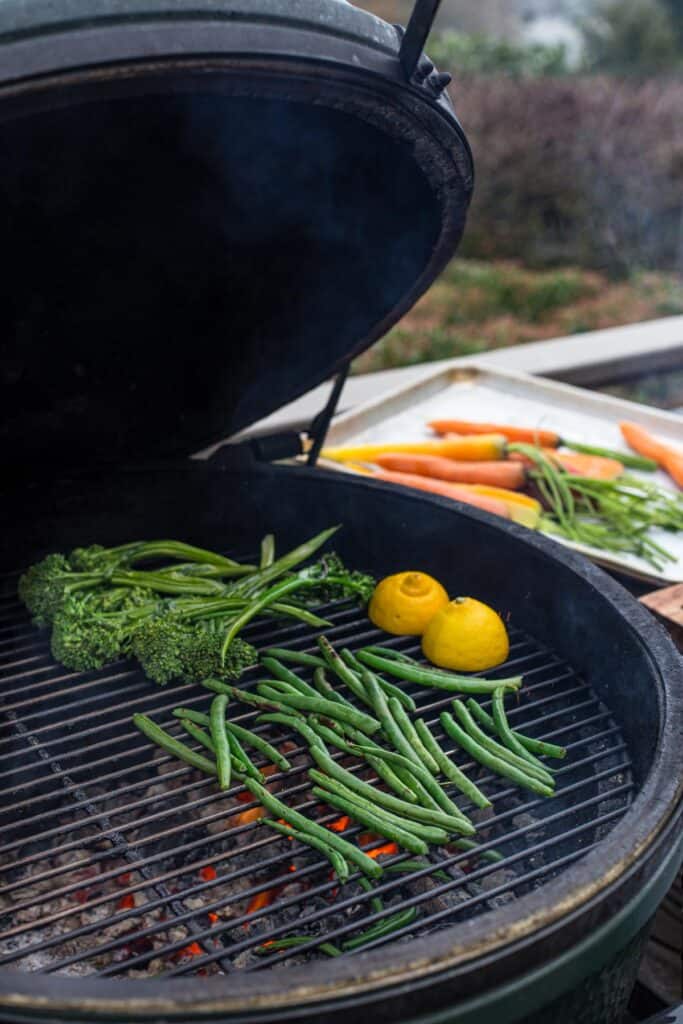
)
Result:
{"points": [[627, 855]]}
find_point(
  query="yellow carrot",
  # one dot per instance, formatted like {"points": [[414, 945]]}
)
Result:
{"points": [[523, 508], [478, 448]]}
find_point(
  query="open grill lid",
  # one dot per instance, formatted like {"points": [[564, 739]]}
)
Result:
{"points": [[208, 208]]}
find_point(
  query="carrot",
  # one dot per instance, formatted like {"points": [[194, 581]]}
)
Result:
{"points": [[670, 459], [522, 508], [511, 475], [448, 490], [545, 438], [467, 449], [595, 466]]}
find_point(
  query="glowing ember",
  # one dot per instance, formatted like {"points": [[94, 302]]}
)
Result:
{"points": [[126, 902], [208, 873], [253, 814], [194, 949], [123, 879], [261, 900], [340, 824], [212, 917], [381, 851]]}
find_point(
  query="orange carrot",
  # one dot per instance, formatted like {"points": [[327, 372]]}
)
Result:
{"points": [[448, 490], [595, 466], [510, 475], [670, 459], [528, 435]]}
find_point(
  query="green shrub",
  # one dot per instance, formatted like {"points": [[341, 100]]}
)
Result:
{"points": [[585, 171], [479, 54]]}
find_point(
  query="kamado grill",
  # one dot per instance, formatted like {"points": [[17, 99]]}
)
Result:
{"points": [[208, 208]]}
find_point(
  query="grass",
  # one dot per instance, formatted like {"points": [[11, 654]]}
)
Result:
{"points": [[477, 306]]}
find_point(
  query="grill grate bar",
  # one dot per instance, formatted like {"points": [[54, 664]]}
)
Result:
{"points": [[244, 718], [272, 840], [211, 798], [333, 934], [202, 699], [119, 845], [165, 835], [324, 887]]}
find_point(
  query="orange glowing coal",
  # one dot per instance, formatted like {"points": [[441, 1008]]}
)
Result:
{"points": [[340, 824], [208, 873]]}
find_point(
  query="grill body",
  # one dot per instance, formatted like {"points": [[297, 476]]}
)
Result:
{"points": [[576, 931]]}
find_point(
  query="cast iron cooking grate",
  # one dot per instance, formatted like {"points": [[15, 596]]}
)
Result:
{"points": [[117, 859]]}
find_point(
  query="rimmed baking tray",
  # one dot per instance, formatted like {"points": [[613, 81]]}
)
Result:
{"points": [[478, 392]]}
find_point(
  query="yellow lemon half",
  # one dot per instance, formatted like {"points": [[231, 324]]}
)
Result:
{"points": [[403, 604], [466, 636]]}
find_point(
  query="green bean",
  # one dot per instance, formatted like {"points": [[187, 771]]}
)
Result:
{"points": [[325, 688], [406, 866], [296, 820], [296, 657], [376, 796], [506, 734], [535, 746], [497, 749], [252, 698], [341, 868], [173, 746], [385, 772], [267, 551], [430, 784], [198, 717], [410, 733], [420, 794], [389, 689], [388, 775], [240, 758], [281, 672], [389, 652], [382, 928], [322, 706], [389, 724], [220, 739], [325, 733], [435, 678], [275, 945], [449, 768], [252, 739], [298, 724], [342, 670], [376, 901], [408, 840], [484, 757], [199, 734], [430, 833], [468, 844]]}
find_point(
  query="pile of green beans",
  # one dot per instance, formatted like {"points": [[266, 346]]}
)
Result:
{"points": [[413, 808]]}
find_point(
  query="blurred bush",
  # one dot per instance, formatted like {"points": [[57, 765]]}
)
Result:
{"points": [[580, 170], [479, 54], [634, 37]]}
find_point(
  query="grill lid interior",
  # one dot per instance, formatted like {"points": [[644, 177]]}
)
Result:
{"points": [[198, 240]]}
